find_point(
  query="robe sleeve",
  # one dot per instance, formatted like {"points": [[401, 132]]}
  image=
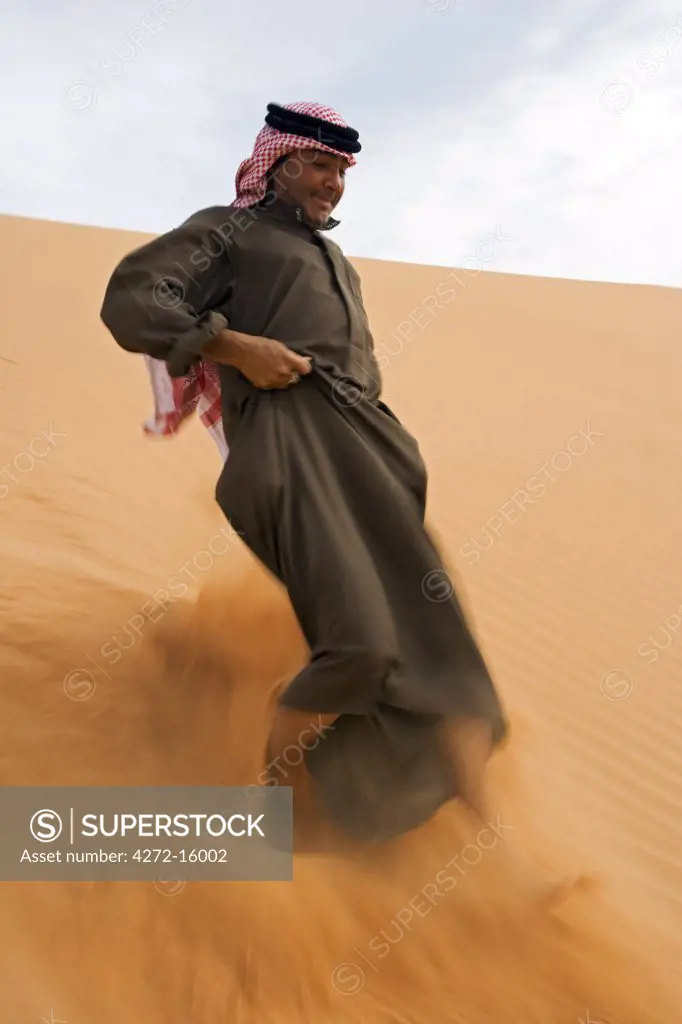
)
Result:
{"points": [[162, 299]]}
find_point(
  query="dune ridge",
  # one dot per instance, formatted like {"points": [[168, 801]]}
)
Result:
{"points": [[574, 591]]}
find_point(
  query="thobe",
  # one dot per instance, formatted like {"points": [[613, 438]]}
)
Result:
{"points": [[322, 482]]}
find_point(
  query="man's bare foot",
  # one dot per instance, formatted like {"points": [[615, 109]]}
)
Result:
{"points": [[538, 884]]}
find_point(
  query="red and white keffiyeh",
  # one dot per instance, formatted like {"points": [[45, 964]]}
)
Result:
{"points": [[271, 144], [176, 399]]}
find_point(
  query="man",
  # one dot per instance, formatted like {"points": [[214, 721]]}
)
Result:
{"points": [[322, 482]]}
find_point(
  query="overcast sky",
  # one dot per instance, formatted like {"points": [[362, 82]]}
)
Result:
{"points": [[556, 126]]}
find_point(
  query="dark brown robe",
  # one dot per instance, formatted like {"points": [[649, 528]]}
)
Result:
{"points": [[325, 486]]}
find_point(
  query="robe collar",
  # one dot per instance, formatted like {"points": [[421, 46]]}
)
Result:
{"points": [[280, 209]]}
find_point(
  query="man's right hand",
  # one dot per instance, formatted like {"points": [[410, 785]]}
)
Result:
{"points": [[263, 361]]}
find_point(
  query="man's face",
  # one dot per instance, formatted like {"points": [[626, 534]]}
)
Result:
{"points": [[313, 180]]}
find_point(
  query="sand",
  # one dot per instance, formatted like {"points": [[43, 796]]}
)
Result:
{"points": [[549, 416]]}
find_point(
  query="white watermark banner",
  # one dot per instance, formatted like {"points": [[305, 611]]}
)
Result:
{"points": [[146, 833]]}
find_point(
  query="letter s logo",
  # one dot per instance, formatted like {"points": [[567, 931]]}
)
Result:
{"points": [[46, 826]]}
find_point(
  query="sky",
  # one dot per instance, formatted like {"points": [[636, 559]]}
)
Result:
{"points": [[518, 136]]}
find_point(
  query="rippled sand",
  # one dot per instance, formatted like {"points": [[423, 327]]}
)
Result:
{"points": [[549, 415]]}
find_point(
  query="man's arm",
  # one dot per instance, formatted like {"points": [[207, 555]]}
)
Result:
{"points": [[162, 298]]}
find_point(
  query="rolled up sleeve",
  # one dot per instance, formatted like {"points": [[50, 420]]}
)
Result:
{"points": [[163, 298]]}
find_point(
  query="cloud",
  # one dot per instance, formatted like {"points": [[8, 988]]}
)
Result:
{"points": [[574, 154], [558, 127]]}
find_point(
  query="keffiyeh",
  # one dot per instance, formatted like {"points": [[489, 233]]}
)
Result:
{"points": [[273, 143]]}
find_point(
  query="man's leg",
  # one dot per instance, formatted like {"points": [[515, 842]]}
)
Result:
{"points": [[470, 742], [291, 734]]}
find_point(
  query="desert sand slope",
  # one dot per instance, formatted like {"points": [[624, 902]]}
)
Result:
{"points": [[549, 414]]}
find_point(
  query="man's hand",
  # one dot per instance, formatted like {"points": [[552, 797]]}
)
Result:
{"points": [[263, 361]]}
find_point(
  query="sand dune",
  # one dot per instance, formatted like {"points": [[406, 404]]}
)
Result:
{"points": [[549, 415]]}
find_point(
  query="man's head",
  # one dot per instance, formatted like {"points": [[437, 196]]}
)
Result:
{"points": [[311, 179], [302, 153]]}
